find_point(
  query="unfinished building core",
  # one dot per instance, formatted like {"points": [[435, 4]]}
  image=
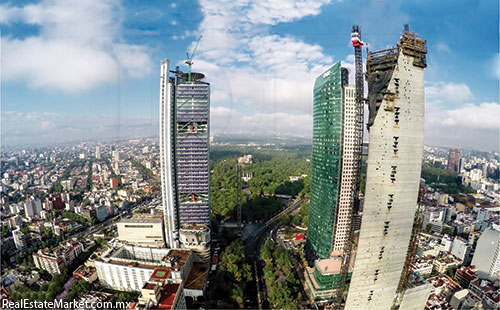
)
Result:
{"points": [[396, 126], [184, 141]]}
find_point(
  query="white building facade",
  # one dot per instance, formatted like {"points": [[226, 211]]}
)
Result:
{"points": [[350, 144], [487, 255]]}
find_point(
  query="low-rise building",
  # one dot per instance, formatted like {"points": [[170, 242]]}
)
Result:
{"points": [[14, 222], [95, 298], [156, 295], [446, 243], [37, 227], [465, 299], [21, 240], [488, 291], [322, 279], [142, 229], [443, 289], [245, 159], [87, 273], [11, 282], [423, 266], [465, 275], [445, 261], [54, 261], [130, 267]]}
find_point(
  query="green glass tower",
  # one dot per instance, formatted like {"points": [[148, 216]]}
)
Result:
{"points": [[326, 160], [334, 170]]}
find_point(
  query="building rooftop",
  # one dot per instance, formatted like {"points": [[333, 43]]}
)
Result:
{"points": [[148, 258], [149, 286], [132, 264], [168, 293], [197, 276], [84, 271], [177, 258], [443, 281], [448, 258], [160, 274], [144, 218], [329, 265], [467, 272]]}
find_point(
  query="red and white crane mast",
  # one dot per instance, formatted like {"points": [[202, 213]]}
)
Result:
{"points": [[359, 84]]}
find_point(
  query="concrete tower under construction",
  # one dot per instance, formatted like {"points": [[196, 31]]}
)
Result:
{"points": [[396, 127], [184, 141], [335, 167]]}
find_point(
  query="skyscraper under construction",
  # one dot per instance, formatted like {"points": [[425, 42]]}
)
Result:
{"points": [[335, 166], [184, 141], [396, 125]]}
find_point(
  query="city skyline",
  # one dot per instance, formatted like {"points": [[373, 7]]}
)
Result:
{"points": [[259, 87], [279, 166]]}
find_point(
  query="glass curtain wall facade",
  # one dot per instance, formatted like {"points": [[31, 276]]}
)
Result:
{"points": [[326, 161], [192, 113], [334, 170], [184, 155]]}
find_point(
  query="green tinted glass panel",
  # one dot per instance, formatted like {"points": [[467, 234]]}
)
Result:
{"points": [[326, 163]]}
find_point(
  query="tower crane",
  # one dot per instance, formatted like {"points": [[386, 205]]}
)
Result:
{"points": [[358, 67], [189, 60]]}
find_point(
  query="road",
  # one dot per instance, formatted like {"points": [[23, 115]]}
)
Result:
{"points": [[253, 249], [97, 227]]}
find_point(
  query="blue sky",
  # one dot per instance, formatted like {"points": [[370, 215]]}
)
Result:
{"points": [[87, 69]]}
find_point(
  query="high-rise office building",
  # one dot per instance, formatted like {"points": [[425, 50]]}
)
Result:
{"points": [[461, 249], [396, 126], [116, 155], [184, 141], [487, 255], [454, 160], [334, 173], [32, 207], [97, 152], [21, 240]]}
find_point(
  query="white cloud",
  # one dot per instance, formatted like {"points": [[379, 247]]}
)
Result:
{"points": [[230, 121], [275, 11], [451, 119], [468, 125], [254, 71], [442, 47], [8, 14], [448, 92], [483, 116], [79, 46]]}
